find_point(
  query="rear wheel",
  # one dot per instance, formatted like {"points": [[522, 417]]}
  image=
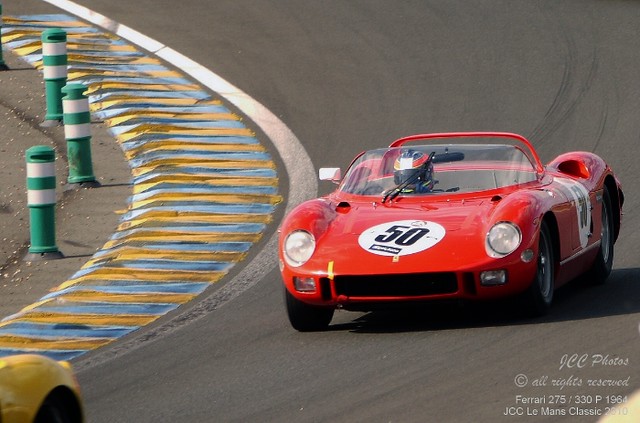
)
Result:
{"points": [[540, 294], [305, 317], [603, 263]]}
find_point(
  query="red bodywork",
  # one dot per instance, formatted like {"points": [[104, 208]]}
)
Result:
{"points": [[449, 267]]}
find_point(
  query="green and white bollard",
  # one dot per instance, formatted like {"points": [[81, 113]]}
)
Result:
{"points": [[3, 65], [77, 132], [41, 200], [54, 61]]}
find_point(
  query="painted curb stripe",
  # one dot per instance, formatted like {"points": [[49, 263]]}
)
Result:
{"points": [[52, 353], [82, 319], [75, 331], [203, 189]]}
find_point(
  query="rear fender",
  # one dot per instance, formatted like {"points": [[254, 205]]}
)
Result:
{"points": [[586, 167]]}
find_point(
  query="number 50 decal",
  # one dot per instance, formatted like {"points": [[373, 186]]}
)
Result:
{"points": [[401, 237], [580, 197]]}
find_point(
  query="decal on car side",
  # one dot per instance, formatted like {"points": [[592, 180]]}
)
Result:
{"points": [[401, 237], [580, 198]]}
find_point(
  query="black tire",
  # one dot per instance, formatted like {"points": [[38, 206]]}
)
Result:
{"points": [[307, 318], [55, 410], [601, 268], [539, 296]]}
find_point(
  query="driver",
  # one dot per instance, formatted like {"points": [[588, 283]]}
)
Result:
{"points": [[415, 168]]}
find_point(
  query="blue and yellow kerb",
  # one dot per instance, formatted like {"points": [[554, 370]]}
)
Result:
{"points": [[203, 191]]}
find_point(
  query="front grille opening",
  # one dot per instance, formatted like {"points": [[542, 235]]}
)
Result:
{"points": [[469, 283], [325, 289], [402, 285]]}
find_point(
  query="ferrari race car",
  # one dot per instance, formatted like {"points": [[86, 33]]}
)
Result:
{"points": [[37, 389], [463, 216]]}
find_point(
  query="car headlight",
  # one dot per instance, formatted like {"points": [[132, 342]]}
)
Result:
{"points": [[298, 248], [503, 239]]}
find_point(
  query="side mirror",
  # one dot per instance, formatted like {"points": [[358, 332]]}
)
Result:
{"points": [[333, 174]]}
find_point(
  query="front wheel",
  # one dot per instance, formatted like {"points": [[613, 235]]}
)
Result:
{"points": [[540, 294], [304, 317], [55, 410]]}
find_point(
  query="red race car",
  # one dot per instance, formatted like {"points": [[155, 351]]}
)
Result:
{"points": [[467, 216]]}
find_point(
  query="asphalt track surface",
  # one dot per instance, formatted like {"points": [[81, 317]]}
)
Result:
{"points": [[346, 76]]}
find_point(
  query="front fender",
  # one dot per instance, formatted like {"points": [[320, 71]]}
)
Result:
{"points": [[525, 209], [313, 216]]}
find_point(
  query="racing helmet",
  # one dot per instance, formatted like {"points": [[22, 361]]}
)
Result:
{"points": [[415, 166]]}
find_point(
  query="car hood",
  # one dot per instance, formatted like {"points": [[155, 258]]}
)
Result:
{"points": [[437, 236]]}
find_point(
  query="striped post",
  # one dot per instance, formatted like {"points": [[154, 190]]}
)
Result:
{"points": [[3, 66], [41, 200], [77, 132], [54, 61]]}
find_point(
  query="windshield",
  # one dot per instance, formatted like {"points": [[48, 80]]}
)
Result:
{"points": [[438, 168]]}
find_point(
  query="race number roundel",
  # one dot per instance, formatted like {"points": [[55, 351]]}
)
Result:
{"points": [[580, 198], [401, 238]]}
